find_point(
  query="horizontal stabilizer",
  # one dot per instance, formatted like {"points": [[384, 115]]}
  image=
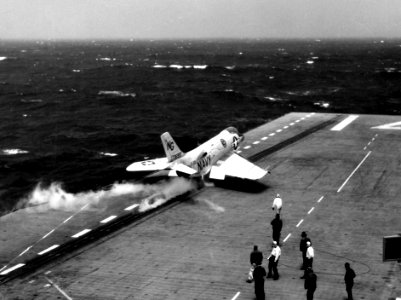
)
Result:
{"points": [[184, 169], [149, 165]]}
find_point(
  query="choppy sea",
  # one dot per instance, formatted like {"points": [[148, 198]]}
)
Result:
{"points": [[77, 113]]}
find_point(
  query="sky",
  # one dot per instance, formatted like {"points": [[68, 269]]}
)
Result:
{"points": [[181, 19]]}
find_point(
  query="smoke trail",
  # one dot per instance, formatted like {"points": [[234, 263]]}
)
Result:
{"points": [[170, 189], [55, 197]]}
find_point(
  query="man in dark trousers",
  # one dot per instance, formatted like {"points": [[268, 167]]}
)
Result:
{"points": [[277, 225], [349, 280], [259, 275], [256, 259], [273, 261], [303, 248], [310, 283]]}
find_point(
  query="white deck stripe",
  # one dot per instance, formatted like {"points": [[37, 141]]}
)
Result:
{"points": [[81, 233], [291, 124], [131, 207], [66, 220], [271, 134], [360, 164], [236, 296], [320, 199], [108, 219], [247, 147], [288, 236], [47, 234], [285, 127], [48, 249], [25, 251], [264, 138], [279, 130], [344, 123], [256, 142], [59, 289], [299, 223], [311, 210], [5, 272]]}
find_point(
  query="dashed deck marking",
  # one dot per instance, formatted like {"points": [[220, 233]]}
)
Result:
{"points": [[353, 172], [26, 250], [320, 199], [287, 237], [299, 223], [49, 233], [247, 147], [81, 233], [344, 123], [264, 138], [5, 272], [131, 207], [108, 219], [279, 130], [256, 142], [311, 210], [48, 249], [271, 134], [292, 124], [285, 127]]}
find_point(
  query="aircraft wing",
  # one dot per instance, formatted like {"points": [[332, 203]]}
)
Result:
{"points": [[237, 166], [149, 165]]}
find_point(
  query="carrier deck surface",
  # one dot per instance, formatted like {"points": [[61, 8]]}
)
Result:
{"points": [[341, 186]]}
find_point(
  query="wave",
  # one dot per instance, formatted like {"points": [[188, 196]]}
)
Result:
{"points": [[13, 151], [116, 94], [179, 67]]}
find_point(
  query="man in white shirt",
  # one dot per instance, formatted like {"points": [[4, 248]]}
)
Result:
{"points": [[277, 204], [310, 254], [273, 261]]}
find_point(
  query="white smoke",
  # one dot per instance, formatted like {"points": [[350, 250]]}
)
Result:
{"points": [[55, 197]]}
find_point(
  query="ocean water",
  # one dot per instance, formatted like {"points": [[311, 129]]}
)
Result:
{"points": [[76, 113]]}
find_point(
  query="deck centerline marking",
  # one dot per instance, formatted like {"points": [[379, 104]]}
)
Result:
{"points": [[271, 134], [320, 199], [344, 123], [256, 142], [292, 124], [279, 130], [131, 207], [299, 223], [108, 219], [364, 148], [287, 237], [285, 127], [353, 172], [264, 138], [48, 249], [247, 147], [236, 296], [311, 210], [81, 233], [5, 272]]}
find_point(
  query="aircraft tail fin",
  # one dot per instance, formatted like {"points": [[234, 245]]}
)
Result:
{"points": [[172, 150]]}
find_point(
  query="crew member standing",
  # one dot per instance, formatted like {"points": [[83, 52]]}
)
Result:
{"points": [[259, 274], [256, 259], [310, 254], [277, 225], [349, 280], [277, 204], [310, 283], [303, 247], [273, 261]]}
